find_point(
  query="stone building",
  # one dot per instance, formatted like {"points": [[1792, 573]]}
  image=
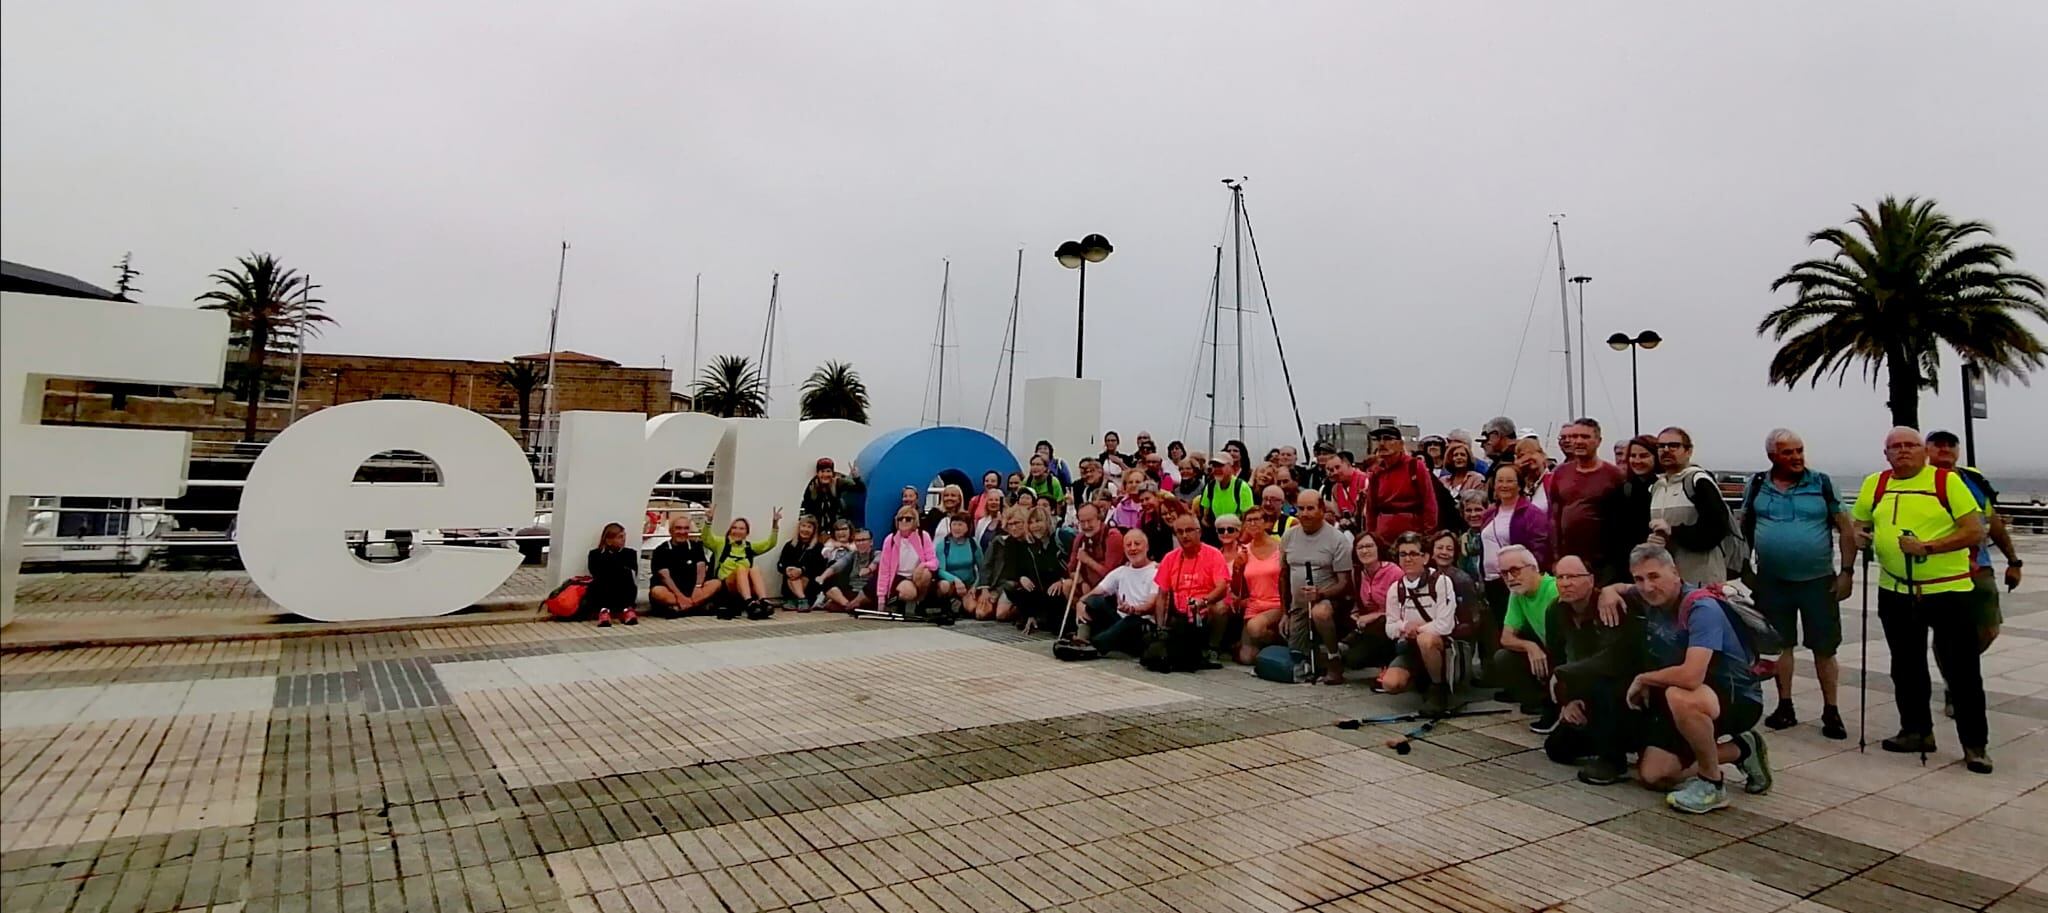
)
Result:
{"points": [[582, 382]]}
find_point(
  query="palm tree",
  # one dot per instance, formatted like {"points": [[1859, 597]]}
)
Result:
{"points": [[269, 308], [835, 390], [523, 377], [1900, 282], [731, 387]]}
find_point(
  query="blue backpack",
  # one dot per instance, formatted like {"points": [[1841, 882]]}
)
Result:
{"points": [[1275, 664]]}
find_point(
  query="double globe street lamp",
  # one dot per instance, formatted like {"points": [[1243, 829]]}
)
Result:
{"points": [[1647, 339], [1077, 255]]}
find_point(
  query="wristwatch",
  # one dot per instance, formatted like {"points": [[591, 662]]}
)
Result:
{"points": [[2014, 562]]}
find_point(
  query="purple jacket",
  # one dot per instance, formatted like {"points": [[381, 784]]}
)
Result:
{"points": [[885, 571], [1529, 528]]}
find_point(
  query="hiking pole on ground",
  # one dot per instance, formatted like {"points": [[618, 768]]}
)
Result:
{"points": [[1863, 665], [1913, 593], [1073, 592]]}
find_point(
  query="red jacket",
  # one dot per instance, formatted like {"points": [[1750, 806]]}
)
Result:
{"points": [[1107, 549], [1400, 498]]}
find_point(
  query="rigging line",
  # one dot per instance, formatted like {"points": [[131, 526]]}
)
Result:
{"points": [[1602, 375], [1541, 268], [1266, 293], [1195, 369]]}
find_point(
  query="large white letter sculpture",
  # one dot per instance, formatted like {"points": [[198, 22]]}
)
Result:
{"points": [[606, 464], [43, 337], [300, 498]]}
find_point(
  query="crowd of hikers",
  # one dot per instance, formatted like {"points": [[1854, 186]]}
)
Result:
{"points": [[1624, 604]]}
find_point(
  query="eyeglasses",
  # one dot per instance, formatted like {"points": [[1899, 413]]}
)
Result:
{"points": [[1670, 445], [1406, 554], [1517, 570]]}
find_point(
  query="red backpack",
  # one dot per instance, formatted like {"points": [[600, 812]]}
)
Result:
{"points": [[567, 599]]}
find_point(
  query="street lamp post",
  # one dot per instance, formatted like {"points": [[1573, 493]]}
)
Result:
{"points": [[1647, 339], [1077, 255]]}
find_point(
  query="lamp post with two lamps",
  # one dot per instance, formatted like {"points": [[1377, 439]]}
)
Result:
{"points": [[1077, 255], [1647, 339]]}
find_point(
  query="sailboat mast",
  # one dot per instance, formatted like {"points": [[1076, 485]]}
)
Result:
{"points": [[1237, 276], [547, 410], [1010, 378], [1571, 403], [945, 287], [768, 334], [1266, 294], [696, 332], [1215, 350]]}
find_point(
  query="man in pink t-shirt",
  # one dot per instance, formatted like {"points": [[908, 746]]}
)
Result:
{"points": [[1193, 578]]}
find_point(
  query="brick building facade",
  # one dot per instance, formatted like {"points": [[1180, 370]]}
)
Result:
{"points": [[582, 382]]}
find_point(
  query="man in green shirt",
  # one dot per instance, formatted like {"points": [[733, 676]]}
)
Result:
{"points": [[1529, 647], [1922, 522]]}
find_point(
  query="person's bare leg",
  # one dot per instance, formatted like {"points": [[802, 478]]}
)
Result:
{"points": [[1005, 610], [1660, 770], [705, 591], [1260, 632], [906, 591], [920, 584], [660, 596], [1693, 711], [1323, 616], [1786, 662], [759, 582], [1829, 671], [1394, 680], [1432, 646], [836, 599]]}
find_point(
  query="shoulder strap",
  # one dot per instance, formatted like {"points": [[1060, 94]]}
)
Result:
{"points": [[1749, 493], [1941, 489], [1884, 481], [1827, 493]]}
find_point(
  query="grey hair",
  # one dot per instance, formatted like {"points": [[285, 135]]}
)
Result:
{"points": [[1647, 553], [1522, 550], [1499, 424], [1778, 434], [1459, 434], [1149, 487], [1472, 496]]}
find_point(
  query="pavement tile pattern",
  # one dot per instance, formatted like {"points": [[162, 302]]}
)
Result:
{"points": [[814, 763]]}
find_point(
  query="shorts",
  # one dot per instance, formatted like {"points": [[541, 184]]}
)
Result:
{"points": [[1984, 598], [1408, 658], [1793, 605], [1736, 717]]}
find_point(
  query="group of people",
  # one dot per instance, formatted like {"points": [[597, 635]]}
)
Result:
{"points": [[1601, 596]]}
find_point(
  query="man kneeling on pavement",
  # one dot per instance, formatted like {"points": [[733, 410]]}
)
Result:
{"points": [[1591, 665], [1699, 686]]}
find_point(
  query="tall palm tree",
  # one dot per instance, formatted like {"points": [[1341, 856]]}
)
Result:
{"points": [[523, 377], [1899, 282], [731, 387], [270, 308], [835, 390]]}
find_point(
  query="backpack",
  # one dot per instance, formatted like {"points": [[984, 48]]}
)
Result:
{"points": [[1755, 631], [567, 599], [1884, 482], [1174, 648], [1755, 486], [1275, 664]]}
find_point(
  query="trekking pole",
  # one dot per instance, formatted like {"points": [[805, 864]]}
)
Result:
{"points": [[1863, 665], [1073, 593], [1913, 593]]}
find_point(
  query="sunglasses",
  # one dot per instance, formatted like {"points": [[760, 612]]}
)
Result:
{"points": [[906, 519], [1228, 530], [1411, 554]]}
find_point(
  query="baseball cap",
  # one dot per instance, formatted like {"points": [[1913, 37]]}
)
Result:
{"points": [[1383, 432], [1944, 438], [824, 462]]}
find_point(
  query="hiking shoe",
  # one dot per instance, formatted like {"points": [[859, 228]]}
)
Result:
{"points": [[1755, 764], [629, 617], [1602, 772], [1503, 696], [604, 618], [1948, 704], [1831, 724], [1546, 723], [1698, 797], [1976, 761], [1333, 669], [760, 609], [1438, 702], [1910, 743], [1784, 717]]}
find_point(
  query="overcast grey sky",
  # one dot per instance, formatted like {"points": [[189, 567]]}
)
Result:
{"points": [[422, 161]]}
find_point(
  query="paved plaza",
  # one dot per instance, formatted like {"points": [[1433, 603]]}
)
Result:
{"points": [[814, 762]]}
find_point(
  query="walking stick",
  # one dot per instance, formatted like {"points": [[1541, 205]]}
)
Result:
{"points": [[1863, 666]]}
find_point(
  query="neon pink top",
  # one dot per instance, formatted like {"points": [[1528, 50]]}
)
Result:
{"points": [[1261, 582]]}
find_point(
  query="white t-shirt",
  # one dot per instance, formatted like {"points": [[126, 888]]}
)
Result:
{"points": [[906, 556], [1436, 608], [1132, 586], [1492, 538]]}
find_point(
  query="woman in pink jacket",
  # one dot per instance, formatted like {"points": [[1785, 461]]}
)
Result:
{"points": [[907, 561]]}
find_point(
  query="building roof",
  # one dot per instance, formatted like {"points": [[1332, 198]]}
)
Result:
{"points": [[567, 355], [20, 277]]}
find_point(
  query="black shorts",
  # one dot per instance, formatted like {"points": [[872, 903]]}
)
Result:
{"points": [[1736, 717], [1408, 658]]}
